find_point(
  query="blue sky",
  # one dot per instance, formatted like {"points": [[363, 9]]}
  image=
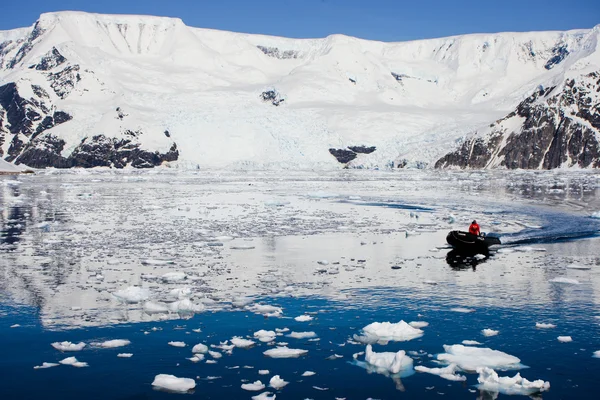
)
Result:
{"points": [[388, 20]]}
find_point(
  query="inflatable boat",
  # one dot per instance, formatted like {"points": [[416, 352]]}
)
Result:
{"points": [[469, 243]]}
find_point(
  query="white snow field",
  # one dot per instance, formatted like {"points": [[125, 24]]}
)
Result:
{"points": [[411, 100]]}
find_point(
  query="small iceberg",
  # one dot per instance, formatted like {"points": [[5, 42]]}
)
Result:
{"points": [[387, 331], [253, 387], [68, 346], [73, 362], [46, 365], [277, 383], [265, 336], [285, 352], [242, 343], [489, 332], [387, 362], [471, 358], [541, 325], [490, 381], [565, 339], [303, 318], [448, 372], [302, 335], [111, 344], [173, 383], [132, 294]]}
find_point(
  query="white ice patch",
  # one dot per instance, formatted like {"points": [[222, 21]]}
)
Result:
{"points": [[73, 362], [265, 336], [489, 332], [264, 396], [151, 307], [471, 342], [110, 344], [215, 354], [68, 346], [542, 325], [277, 383], [125, 355], [46, 365], [242, 343], [580, 267], [173, 277], [462, 310], [132, 294], [565, 339], [303, 318], [173, 383], [253, 387], [284, 352], [596, 354], [471, 358], [311, 373], [266, 310], [263, 372], [490, 381], [388, 362], [200, 348], [418, 324], [387, 331], [186, 305], [196, 358], [596, 214], [177, 344], [448, 372], [302, 335], [562, 279]]}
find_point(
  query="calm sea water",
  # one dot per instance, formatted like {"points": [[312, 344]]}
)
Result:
{"points": [[347, 248]]}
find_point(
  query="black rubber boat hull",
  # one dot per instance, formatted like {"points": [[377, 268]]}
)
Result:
{"points": [[468, 243]]}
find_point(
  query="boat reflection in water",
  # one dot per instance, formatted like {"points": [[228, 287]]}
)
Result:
{"points": [[458, 260]]}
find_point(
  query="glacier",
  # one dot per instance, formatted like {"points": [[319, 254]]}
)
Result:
{"points": [[88, 90]]}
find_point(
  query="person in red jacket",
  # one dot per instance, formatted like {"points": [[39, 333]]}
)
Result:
{"points": [[474, 228]]}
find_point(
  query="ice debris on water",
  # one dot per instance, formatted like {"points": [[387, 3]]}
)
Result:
{"points": [[125, 355], [387, 331], [265, 336], [264, 396], [311, 373], [173, 277], [277, 383], [471, 342], [263, 372], [448, 372], [565, 339], [490, 381], [580, 267], [242, 343], [177, 344], [132, 294], [110, 344], [489, 332], [418, 324], [596, 354], [173, 383], [46, 365], [253, 387], [471, 358], [285, 352], [302, 335], [200, 348], [266, 310], [68, 346], [388, 362], [542, 325], [73, 362], [462, 310], [561, 279], [303, 318]]}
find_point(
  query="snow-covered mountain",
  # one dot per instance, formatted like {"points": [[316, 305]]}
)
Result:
{"points": [[80, 89]]}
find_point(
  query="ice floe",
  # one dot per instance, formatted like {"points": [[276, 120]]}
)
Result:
{"points": [[110, 344], [542, 325], [173, 277], [132, 294], [302, 335], [125, 355], [303, 318], [471, 342], [388, 362], [565, 339], [448, 372], [311, 373], [471, 358], [418, 324], [242, 343], [562, 279], [253, 387], [151, 307], [284, 352], [596, 354], [173, 383], [490, 381], [264, 396], [277, 383], [196, 358], [73, 362], [462, 310], [489, 332], [68, 346], [215, 354], [266, 310], [46, 365], [265, 336], [387, 331], [200, 348], [263, 372], [177, 344]]}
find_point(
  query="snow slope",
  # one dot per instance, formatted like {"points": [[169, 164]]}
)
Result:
{"points": [[153, 82]]}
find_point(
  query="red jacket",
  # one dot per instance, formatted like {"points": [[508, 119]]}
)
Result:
{"points": [[474, 229]]}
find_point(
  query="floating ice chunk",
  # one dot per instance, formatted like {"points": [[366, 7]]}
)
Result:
{"points": [[177, 344], [308, 373], [253, 387], [110, 344], [196, 358], [242, 343], [303, 318], [277, 383], [542, 325], [471, 342], [565, 339], [151, 307], [462, 310], [46, 365], [471, 358], [284, 352], [173, 383], [151, 261], [173, 277], [181, 293], [280, 330], [490, 381], [596, 354], [302, 335], [399, 332], [68, 346], [266, 310], [596, 214], [580, 267], [125, 355], [263, 372], [562, 279], [132, 294], [215, 354], [265, 336], [264, 396], [448, 372], [418, 324], [211, 361], [387, 361], [15, 326], [200, 348], [489, 332], [73, 362], [186, 305]]}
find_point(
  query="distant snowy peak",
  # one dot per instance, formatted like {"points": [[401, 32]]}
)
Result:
{"points": [[85, 90]]}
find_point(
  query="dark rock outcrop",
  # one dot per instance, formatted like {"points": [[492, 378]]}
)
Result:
{"points": [[363, 149], [276, 53], [51, 60], [27, 45], [272, 96], [559, 128], [342, 155], [63, 82], [559, 53]]}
